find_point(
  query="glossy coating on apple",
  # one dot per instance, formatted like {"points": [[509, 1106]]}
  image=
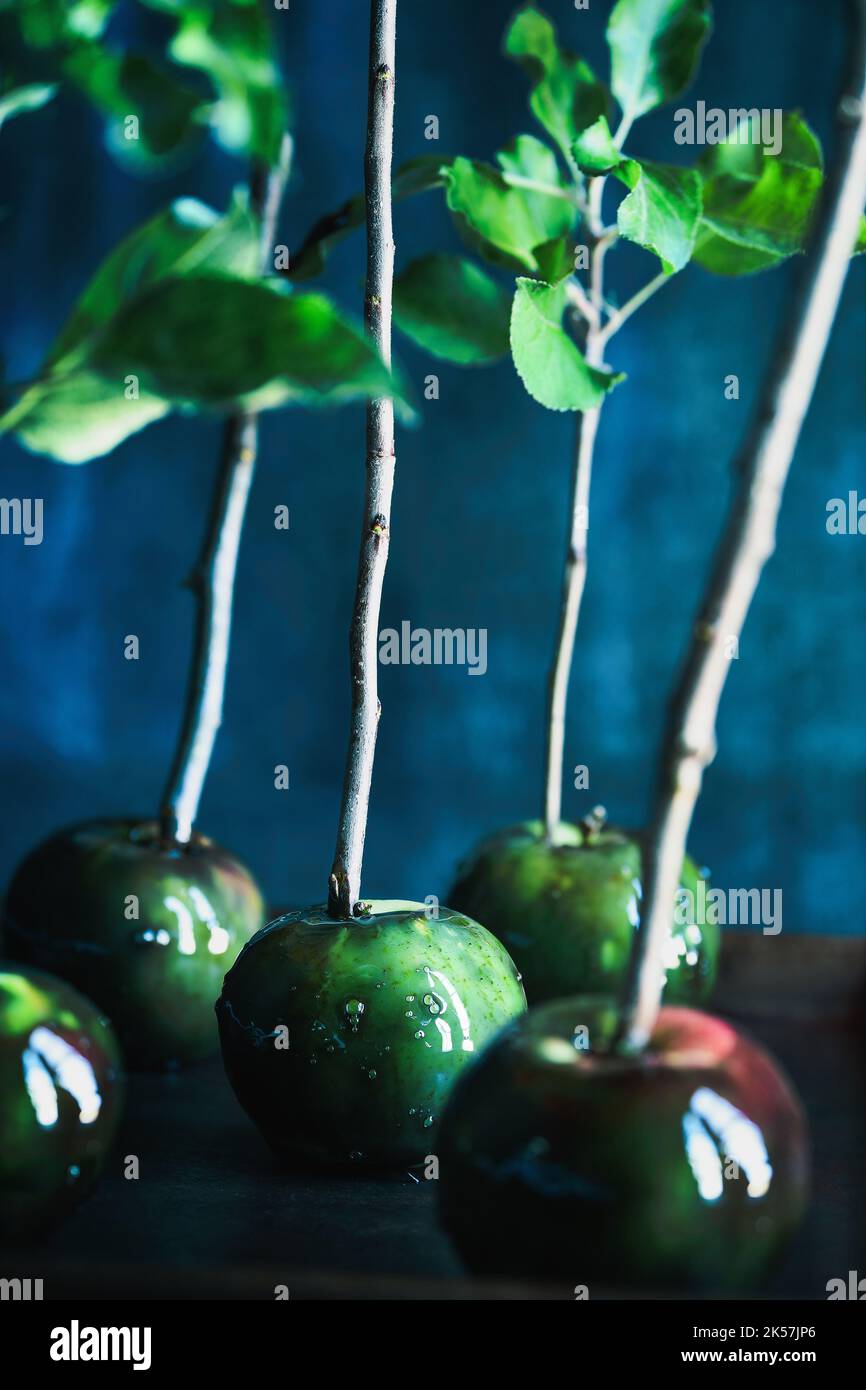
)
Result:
{"points": [[342, 1039], [61, 1089], [683, 1167], [147, 928], [567, 911]]}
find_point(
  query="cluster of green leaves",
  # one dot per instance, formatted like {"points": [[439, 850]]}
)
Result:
{"points": [[177, 317], [740, 209], [228, 42]]}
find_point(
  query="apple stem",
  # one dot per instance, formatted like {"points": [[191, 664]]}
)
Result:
{"points": [[344, 886], [747, 542], [591, 307], [213, 579], [592, 825]]}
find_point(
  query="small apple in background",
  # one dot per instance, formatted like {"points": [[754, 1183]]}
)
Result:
{"points": [[683, 1167], [342, 1039], [61, 1089], [145, 926], [567, 911]]}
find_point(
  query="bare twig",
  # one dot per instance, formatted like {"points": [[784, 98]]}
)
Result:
{"points": [[621, 316], [573, 584], [622, 131], [345, 881], [213, 579], [574, 571], [581, 301], [747, 542]]}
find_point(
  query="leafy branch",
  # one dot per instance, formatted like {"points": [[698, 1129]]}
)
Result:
{"points": [[537, 212], [344, 884], [742, 208]]}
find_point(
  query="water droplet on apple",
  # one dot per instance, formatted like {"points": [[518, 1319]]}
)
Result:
{"points": [[354, 1013]]}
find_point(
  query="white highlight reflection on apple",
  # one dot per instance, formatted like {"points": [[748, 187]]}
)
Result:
{"points": [[47, 1053]]}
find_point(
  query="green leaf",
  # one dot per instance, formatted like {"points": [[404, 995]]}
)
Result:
{"points": [[758, 205], [232, 43], [505, 224], [187, 238], [526, 161], [548, 362], [201, 342], [28, 98], [128, 85], [451, 308], [418, 175], [215, 341], [655, 50], [566, 96], [556, 259], [594, 150], [663, 211], [79, 416]]}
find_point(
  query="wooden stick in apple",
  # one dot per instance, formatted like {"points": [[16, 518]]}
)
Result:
{"points": [[748, 540], [345, 880], [213, 580], [591, 307]]}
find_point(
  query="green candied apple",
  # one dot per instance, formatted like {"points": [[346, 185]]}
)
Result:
{"points": [[683, 1167], [147, 928], [342, 1039], [61, 1089], [567, 911]]}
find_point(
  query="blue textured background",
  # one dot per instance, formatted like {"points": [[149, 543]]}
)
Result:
{"points": [[478, 523]]}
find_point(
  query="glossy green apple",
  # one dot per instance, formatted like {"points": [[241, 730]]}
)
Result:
{"points": [[567, 911], [146, 928], [684, 1167], [342, 1039], [60, 1094]]}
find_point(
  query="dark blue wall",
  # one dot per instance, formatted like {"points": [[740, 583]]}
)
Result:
{"points": [[478, 524]]}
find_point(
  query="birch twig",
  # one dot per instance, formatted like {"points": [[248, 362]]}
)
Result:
{"points": [[747, 542], [213, 579], [345, 881]]}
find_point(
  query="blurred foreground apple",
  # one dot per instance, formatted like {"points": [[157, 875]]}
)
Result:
{"points": [[61, 1089], [683, 1167]]}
